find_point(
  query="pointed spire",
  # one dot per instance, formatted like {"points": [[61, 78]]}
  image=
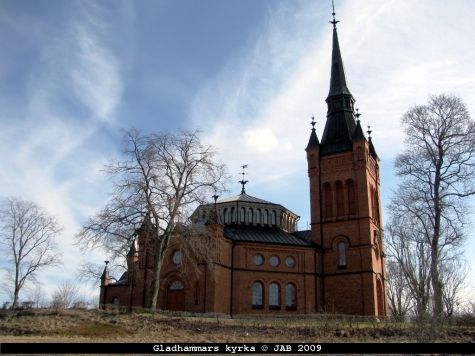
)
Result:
{"points": [[214, 217], [338, 81], [358, 135], [313, 141], [105, 278], [372, 150], [132, 250]]}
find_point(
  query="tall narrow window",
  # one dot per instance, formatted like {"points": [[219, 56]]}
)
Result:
{"points": [[197, 292], [328, 201], [266, 216], [342, 254], [226, 216], [242, 214], [273, 217], [258, 216], [340, 204], [257, 296], [376, 207], [351, 198], [233, 214], [290, 297], [251, 212], [274, 296]]}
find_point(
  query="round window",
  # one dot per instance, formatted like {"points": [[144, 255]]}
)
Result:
{"points": [[258, 260], [290, 262], [274, 261], [177, 257]]}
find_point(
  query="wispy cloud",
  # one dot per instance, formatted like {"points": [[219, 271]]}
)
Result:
{"points": [[55, 147]]}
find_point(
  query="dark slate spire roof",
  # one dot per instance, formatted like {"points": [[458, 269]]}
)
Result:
{"points": [[338, 81], [313, 141], [340, 125], [359, 134], [105, 274]]}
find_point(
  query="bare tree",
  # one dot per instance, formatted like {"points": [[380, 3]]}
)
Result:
{"points": [[410, 255], [37, 295], [66, 295], [454, 279], [159, 180], [398, 291], [27, 241], [438, 171]]}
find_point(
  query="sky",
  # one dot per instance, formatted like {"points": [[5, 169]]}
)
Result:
{"points": [[249, 73]]}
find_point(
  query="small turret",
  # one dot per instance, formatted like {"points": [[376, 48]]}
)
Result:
{"points": [[105, 278]]}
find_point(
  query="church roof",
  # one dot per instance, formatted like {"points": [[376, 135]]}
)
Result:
{"points": [[275, 235], [245, 198]]}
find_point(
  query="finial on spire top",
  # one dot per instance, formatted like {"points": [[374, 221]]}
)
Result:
{"points": [[369, 132], [243, 182], [358, 114], [334, 22], [215, 197], [313, 123]]}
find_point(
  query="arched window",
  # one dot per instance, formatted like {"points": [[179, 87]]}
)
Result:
{"points": [[290, 297], [380, 298], [273, 219], [266, 216], [233, 215], [342, 254], [340, 203], [251, 212], [328, 201], [205, 217], [351, 198], [242, 214], [274, 302], [258, 216], [116, 302], [176, 285], [226, 215], [257, 296]]}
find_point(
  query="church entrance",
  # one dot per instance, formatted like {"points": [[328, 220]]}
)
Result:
{"points": [[176, 296]]}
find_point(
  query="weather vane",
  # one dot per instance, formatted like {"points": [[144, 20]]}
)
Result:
{"points": [[243, 182], [313, 123], [334, 22], [358, 115]]}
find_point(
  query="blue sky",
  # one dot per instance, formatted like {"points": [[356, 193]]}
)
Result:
{"points": [[250, 74]]}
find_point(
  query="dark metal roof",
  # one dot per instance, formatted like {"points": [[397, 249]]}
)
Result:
{"points": [[338, 81], [339, 128], [261, 234], [313, 141], [359, 134], [245, 198]]}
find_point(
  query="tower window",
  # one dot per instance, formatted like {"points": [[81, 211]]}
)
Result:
{"points": [[342, 255], [328, 201], [251, 212], [258, 216], [273, 217], [242, 214], [340, 205], [351, 198]]}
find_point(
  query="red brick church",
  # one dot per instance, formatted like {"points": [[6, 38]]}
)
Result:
{"points": [[263, 265]]}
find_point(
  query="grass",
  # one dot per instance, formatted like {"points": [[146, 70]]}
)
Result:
{"points": [[45, 325]]}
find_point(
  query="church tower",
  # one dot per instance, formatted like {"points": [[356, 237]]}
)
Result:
{"points": [[346, 224]]}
